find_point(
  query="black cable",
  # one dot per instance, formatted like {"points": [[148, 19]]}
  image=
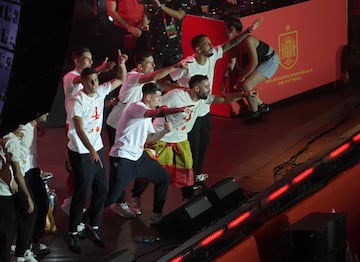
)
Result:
{"points": [[282, 169]]}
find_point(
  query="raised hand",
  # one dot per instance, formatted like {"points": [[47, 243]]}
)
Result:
{"points": [[106, 66], [122, 58]]}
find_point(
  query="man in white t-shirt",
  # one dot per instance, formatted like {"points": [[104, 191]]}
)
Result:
{"points": [[27, 134], [82, 58], [173, 150], [25, 207], [8, 187], [202, 62], [128, 160], [86, 152], [131, 91]]}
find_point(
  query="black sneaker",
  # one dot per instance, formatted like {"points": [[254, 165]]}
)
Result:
{"points": [[94, 235], [253, 117], [264, 108], [73, 242]]}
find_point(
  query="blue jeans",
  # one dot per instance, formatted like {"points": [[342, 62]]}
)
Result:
{"points": [[124, 171]]}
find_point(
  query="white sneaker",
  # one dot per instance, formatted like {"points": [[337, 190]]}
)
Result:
{"points": [[122, 209], [135, 206], [201, 177], [13, 248], [80, 227], [65, 206], [28, 257], [155, 218]]}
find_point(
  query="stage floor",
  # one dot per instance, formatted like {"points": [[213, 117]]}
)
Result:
{"points": [[249, 153]]}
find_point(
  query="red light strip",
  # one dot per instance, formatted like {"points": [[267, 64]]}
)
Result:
{"points": [[206, 241], [239, 220], [356, 138], [180, 258], [303, 175], [277, 193], [338, 151], [177, 259]]}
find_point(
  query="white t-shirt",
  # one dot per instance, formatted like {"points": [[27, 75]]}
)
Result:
{"points": [[183, 76], [131, 132], [12, 145], [29, 142], [90, 109], [4, 187], [182, 122], [130, 91], [70, 89]]}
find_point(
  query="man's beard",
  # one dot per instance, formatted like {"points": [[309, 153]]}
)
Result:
{"points": [[209, 54], [202, 96]]}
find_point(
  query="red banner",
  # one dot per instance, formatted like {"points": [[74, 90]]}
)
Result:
{"points": [[308, 37]]}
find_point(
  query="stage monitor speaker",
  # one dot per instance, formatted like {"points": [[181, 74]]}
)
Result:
{"points": [[204, 209], [318, 237], [225, 196], [187, 219]]}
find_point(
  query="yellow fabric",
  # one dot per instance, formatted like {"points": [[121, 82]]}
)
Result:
{"points": [[50, 221], [177, 159]]}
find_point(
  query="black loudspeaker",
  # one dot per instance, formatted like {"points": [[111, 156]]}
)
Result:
{"points": [[203, 209], [318, 237]]}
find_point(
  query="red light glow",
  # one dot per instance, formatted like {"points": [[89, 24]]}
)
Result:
{"points": [[339, 150], [206, 241], [303, 175], [177, 259], [239, 220], [277, 193], [356, 138]]}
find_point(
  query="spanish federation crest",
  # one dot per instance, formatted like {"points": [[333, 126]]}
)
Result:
{"points": [[288, 48]]}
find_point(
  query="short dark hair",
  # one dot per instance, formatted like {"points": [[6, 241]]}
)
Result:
{"points": [[151, 88], [88, 71], [76, 53], [140, 57], [195, 41], [234, 22], [196, 79]]}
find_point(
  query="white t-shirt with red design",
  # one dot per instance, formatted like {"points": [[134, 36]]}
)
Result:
{"points": [[90, 109], [182, 122]]}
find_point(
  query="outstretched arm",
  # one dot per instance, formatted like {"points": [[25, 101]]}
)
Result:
{"points": [[161, 111], [241, 36], [228, 98], [161, 73]]}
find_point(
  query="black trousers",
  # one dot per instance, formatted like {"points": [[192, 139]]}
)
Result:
{"points": [[36, 183], [7, 226], [25, 222], [199, 138], [89, 179]]}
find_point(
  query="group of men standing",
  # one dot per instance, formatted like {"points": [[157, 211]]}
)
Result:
{"points": [[176, 125]]}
